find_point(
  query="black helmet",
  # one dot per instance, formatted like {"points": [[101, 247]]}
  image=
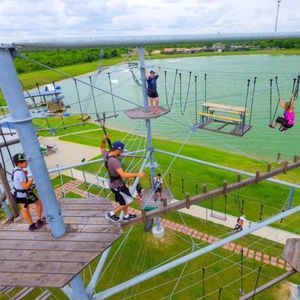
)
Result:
{"points": [[19, 157]]}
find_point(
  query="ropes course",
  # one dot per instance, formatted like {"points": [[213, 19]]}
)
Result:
{"points": [[140, 155]]}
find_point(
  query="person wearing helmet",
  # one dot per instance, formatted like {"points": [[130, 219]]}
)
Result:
{"points": [[240, 222], [116, 183], [151, 79], [23, 192]]}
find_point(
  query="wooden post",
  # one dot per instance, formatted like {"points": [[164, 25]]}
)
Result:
{"points": [[204, 188], [187, 200], [144, 217], [278, 157], [238, 177], [257, 174], [285, 166], [295, 158], [9, 196], [164, 201], [269, 168], [225, 187]]}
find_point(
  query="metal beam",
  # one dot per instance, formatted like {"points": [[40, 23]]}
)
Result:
{"points": [[268, 284], [91, 42], [149, 274], [233, 170]]}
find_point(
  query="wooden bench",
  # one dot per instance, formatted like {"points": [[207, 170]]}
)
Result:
{"points": [[220, 117], [208, 106], [224, 114]]}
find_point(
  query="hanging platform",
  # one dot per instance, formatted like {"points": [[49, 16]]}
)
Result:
{"points": [[36, 259], [149, 202], [227, 119], [140, 113]]}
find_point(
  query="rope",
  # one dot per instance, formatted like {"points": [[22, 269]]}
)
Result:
{"points": [[94, 100], [111, 90], [166, 92], [78, 97], [174, 88], [69, 76], [252, 100], [275, 112], [187, 94]]}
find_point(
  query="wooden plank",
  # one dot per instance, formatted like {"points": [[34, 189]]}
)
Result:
{"points": [[86, 220], [57, 246], [35, 280], [41, 267], [79, 213], [46, 236], [100, 201], [85, 207], [48, 256], [219, 117], [223, 106], [23, 293]]}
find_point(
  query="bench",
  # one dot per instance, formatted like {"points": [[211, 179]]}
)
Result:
{"points": [[220, 117], [225, 114]]}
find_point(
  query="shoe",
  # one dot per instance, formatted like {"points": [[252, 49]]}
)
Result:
{"points": [[113, 218], [156, 111], [271, 126], [130, 217], [32, 227], [40, 222], [283, 129]]}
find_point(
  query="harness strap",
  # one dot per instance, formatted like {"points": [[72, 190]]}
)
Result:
{"points": [[111, 177]]}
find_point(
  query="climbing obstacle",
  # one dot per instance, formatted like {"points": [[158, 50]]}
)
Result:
{"points": [[222, 116], [148, 197], [141, 113], [36, 259]]}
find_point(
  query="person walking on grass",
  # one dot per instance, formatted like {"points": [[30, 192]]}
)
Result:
{"points": [[288, 119], [116, 182], [23, 192], [151, 79]]}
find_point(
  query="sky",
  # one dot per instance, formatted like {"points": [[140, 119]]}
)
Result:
{"points": [[32, 20]]}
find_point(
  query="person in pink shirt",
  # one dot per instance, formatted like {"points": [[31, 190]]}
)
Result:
{"points": [[288, 119]]}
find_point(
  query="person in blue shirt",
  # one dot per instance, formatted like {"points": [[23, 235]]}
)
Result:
{"points": [[151, 79]]}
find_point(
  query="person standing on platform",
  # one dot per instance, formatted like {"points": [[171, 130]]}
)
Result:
{"points": [[23, 192], [157, 187], [116, 183], [151, 79]]}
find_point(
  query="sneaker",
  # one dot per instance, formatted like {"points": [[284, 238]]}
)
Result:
{"points": [[130, 217], [271, 126], [113, 218], [32, 227], [40, 222]]}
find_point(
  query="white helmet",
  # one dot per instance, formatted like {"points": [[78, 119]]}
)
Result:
{"points": [[242, 218]]}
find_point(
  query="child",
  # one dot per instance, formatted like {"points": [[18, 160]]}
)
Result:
{"points": [[287, 121], [239, 223], [23, 192], [157, 187]]}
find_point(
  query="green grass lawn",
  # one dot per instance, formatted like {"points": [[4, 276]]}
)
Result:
{"points": [[187, 176]]}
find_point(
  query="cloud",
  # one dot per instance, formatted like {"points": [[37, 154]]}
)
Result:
{"points": [[29, 19]]}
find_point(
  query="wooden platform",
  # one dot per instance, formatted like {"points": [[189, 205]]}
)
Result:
{"points": [[140, 113], [36, 259], [149, 198]]}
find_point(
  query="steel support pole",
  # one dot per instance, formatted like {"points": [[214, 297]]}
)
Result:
{"points": [[91, 286], [149, 274], [78, 289], [22, 120], [146, 107]]}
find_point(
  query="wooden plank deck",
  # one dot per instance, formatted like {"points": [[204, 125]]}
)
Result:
{"points": [[36, 259], [140, 113]]}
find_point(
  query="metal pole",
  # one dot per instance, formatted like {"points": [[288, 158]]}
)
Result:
{"points": [[91, 286], [291, 198], [22, 120], [78, 289], [149, 274], [146, 108], [277, 14]]}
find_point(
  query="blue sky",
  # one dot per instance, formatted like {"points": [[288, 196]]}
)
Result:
{"points": [[36, 20]]}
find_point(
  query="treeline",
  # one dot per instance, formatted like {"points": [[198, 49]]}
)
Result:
{"points": [[263, 44], [64, 57]]}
